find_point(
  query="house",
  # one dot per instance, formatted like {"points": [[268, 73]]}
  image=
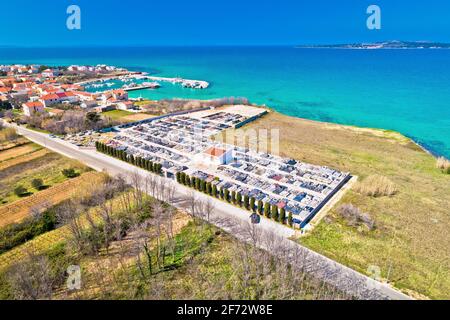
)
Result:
{"points": [[32, 107], [50, 99], [119, 94], [84, 96], [68, 96], [217, 156], [48, 73], [125, 105], [88, 104]]}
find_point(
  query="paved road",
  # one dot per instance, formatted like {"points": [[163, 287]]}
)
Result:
{"points": [[267, 235]]}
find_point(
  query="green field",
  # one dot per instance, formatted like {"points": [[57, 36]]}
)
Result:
{"points": [[117, 114], [411, 241]]}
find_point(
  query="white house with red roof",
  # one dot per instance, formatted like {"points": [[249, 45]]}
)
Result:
{"points": [[32, 107], [50, 99], [215, 156]]}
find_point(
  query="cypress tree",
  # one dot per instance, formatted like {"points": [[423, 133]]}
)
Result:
{"points": [[214, 191], [260, 207], [178, 175], [267, 210], [203, 188], [282, 217], [252, 204], [274, 212], [233, 197], [239, 199], [247, 202], [208, 188], [226, 195], [290, 219], [197, 183]]}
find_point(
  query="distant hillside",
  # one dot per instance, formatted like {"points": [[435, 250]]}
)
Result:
{"points": [[385, 45]]}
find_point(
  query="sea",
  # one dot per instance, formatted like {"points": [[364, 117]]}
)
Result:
{"points": [[402, 90]]}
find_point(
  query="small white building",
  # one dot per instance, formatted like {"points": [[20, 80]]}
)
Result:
{"points": [[216, 156], [125, 105], [32, 107]]}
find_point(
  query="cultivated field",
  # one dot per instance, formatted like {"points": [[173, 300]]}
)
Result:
{"points": [[23, 158], [18, 151], [411, 210], [24, 163], [20, 209]]}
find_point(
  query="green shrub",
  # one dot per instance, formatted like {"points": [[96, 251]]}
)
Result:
{"points": [[20, 191], [70, 173], [38, 184]]}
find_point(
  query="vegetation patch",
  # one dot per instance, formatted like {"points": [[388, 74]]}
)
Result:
{"points": [[443, 164], [355, 217], [410, 243], [376, 186]]}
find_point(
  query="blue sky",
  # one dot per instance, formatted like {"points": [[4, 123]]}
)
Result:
{"points": [[219, 22]]}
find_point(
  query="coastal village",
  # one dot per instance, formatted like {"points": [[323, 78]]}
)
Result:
{"points": [[38, 89]]}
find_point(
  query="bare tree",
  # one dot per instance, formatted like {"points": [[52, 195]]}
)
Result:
{"points": [[31, 279], [36, 211]]}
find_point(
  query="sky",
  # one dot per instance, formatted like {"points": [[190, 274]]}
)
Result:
{"points": [[219, 22]]}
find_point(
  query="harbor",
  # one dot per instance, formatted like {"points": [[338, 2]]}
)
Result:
{"points": [[139, 81]]}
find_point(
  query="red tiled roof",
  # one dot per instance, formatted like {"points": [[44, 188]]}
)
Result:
{"points": [[50, 97], [215, 152], [35, 104]]}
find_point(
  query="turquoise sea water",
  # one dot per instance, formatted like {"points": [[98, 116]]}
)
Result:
{"points": [[403, 90]]}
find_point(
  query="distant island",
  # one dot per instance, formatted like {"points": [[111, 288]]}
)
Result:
{"points": [[384, 45]]}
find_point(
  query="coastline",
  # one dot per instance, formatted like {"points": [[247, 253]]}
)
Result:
{"points": [[359, 128]]}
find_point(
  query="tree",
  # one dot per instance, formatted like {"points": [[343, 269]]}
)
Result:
{"points": [[239, 199], [197, 183], [226, 195], [252, 204], [69, 173], [290, 219], [247, 202], [183, 178], [37, 184], [214, 191], [208, 188], [93, 117], [274, 213], [178, 175], [282, 217], [233, 197], [20, 191], [260, 207], [203, 187], [267, 210]]}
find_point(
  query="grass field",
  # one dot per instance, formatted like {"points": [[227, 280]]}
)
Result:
{"points": [[411, 242], [126, 116]]}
